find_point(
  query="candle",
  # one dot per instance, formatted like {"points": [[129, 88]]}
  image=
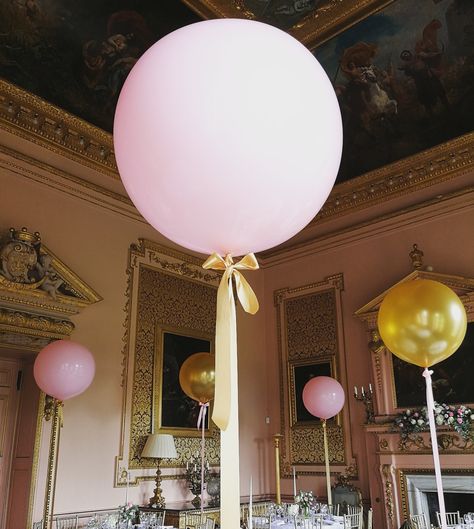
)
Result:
{"points": [[294, 482], [126, 489], [250, 506], [187, 465], [355, 391], [195, 468], [363, 391], [370, 387]]}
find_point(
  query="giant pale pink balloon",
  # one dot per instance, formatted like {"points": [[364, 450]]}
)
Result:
{"points": [[323, 397], [64, 369], [228, 136]]}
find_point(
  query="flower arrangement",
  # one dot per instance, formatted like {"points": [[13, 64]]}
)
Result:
{"points": [[305, 500], [127, 512], [460, 418], [292, 509]]}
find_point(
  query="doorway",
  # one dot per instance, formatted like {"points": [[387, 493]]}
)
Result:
{"points": [[19, 400]]}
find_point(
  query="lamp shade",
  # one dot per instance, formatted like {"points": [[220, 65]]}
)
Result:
{"points": [[159, 445]]}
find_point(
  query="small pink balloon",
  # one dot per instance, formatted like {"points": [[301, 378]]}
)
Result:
{"points": [[323, 397], [64, 369]]}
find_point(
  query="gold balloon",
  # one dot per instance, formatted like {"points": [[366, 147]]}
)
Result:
{"points": [[197, 377], [422, 322]]}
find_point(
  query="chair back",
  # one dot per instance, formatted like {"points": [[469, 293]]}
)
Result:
{"points": [[334, 509], [208, 523], [452, 518], [353, 521], [419, 521], [260, 522], [67, 522], [38, 525]]}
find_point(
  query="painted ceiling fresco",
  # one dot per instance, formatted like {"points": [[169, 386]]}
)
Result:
{"points": [[403, 73]]}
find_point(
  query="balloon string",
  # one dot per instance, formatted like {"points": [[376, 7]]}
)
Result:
{"points": [[434, 442], [202, 424], [326, 462]]}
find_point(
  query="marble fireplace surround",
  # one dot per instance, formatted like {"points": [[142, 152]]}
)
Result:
{"points": [[419, 484]]}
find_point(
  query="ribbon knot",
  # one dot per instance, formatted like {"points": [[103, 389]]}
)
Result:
{"points": [[226, 397]]}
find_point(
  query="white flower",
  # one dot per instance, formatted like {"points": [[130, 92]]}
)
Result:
{"points": [[450, 420], [472, 417], [439, 420], [408, 412], [421, 422], [413, 421], [293, 509]]}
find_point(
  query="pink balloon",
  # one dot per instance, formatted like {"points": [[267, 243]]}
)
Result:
{"points": [[228, 136], [323, 397], [64, 369]]}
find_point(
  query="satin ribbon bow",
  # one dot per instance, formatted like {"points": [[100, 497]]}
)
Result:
{"points": [[226, 327]]}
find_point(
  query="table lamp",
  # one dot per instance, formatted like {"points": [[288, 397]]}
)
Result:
{"points": [[159, 446]]}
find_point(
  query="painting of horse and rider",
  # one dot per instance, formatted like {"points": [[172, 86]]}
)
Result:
{"points": [[404, 78]]}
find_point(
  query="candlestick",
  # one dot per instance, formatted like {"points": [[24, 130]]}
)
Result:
{"points": [[250, 505], [294, 482], [367, 399], [126, 488]]}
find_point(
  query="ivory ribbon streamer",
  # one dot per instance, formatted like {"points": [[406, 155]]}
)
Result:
{"points": [[201, 423], [226, 395], [226, 326], [326, 461], [434, 443]]}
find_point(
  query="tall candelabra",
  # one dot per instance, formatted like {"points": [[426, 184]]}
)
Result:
{"points": [[367, 398], [193, 477]]}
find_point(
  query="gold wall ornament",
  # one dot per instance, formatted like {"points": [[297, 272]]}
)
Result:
{"points": [[388, 491], [310, 334], [166, 290]]}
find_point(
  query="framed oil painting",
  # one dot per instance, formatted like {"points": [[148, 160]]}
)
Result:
{"points": [[404, 77], [174, 411], [77, 55], [299, 374], [452, 378]]}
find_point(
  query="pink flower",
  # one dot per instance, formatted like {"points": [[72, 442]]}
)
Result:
{"points": [[459, 420], [451, 413]]}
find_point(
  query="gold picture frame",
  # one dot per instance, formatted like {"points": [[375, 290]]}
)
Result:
{"points": [[173, 344], [299, 372]]}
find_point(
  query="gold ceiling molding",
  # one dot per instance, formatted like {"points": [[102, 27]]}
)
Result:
{"points": [[448, 160], [329, 18], [32, 118], [36, 120], [165, 288], [439, 206]]}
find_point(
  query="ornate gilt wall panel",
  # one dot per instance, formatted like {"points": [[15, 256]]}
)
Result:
{"points": [[310, 341], [166, 289]]}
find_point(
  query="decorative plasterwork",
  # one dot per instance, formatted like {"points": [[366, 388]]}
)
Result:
{"points": [[328, 18], [309, 326], [390, 442], [37, 293], [34, 119], [164, 288], [381, 358]]}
